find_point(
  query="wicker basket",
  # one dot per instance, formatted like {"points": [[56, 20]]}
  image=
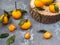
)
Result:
{"points": [[43, 18]]}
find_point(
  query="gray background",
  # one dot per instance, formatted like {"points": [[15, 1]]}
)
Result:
{"points": [[36, 38]]}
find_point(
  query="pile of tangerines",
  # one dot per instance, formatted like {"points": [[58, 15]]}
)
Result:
{"points": [[53, 7], [24, 24]]}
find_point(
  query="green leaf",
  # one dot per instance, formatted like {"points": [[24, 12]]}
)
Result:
{"points": [[56, 8], [11, 40], [21, 21], [23, 11], [54, 0], [4, 35], [1, 18], [42, 31], [41, 9], [8, 15]]}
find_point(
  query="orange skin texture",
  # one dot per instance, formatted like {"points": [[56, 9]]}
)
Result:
{"points": [[46, 2], [27, 35], [38, 3], [26, 25], [51, 8], [47, 35], [5, 20], [16, 14], [11, 27]]}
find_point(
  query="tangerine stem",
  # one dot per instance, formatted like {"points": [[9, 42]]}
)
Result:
{"points": [[15, 6]]}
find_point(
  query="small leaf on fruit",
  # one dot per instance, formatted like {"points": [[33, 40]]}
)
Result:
{"points": [[56, 8], [54, 0], [21, 21], [7, 13], [41, 9]]}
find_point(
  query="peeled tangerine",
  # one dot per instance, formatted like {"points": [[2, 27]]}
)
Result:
{"points": [[38, 3], [47, 35], [26, 25], [27, 36], [16, 14], [12, 27]]}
